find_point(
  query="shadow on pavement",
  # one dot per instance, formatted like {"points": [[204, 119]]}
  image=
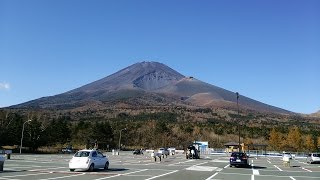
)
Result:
{"points": [[111, 170], [257, 167], [11, 171]]}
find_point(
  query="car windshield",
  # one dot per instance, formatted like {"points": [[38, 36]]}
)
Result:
{"points": [[82, 154], [316, 155]]}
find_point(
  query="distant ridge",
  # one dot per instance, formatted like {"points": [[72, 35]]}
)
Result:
{"points": [[148, 83]]}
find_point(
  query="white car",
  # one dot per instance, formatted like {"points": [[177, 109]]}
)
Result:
{"points": [[313, 158], [163, 151], [88, 160]]}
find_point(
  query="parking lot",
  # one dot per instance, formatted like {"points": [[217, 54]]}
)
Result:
{"points": [[129, 166]]}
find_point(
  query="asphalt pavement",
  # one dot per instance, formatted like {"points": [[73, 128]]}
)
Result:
{"points": [[136, 167]]}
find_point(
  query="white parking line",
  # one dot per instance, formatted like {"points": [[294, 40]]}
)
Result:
{"points": [[163, 174], [209, 178], [292, 178], [277, 168], [122, 174], [255, 172], [22, 175], [62, 177], [252, 177], [226, 166], [306, 169], [269, 162]]}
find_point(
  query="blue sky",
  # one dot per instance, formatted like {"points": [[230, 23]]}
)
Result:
{"points": [[266, 50]]}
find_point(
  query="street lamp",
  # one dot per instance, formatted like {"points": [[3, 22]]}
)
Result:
{"points": [[120, 137], [238, 119], [22, 133]]}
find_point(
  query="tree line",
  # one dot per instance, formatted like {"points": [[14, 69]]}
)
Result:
{"points": [[144, 130]]}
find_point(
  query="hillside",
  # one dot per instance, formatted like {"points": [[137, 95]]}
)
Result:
{"points": [[148, 83]]}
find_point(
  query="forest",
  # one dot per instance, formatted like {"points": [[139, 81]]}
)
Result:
{"points": [[151, 130]]}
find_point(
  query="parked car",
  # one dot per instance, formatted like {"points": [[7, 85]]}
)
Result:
{"points": [[88, 160], [67, 149], [313, 158], [163, 151], [286, 155], [137, 152], [239, 159], [172, 150]]}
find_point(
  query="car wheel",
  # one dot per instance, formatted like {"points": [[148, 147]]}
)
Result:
{"points": [[71, 170], [106, 166], [91, 168]]}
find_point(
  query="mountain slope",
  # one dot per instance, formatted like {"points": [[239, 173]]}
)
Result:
{"points": [[149, 83]]}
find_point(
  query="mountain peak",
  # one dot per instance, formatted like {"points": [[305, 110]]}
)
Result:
{"points": [[143, 75], [150, 82]]}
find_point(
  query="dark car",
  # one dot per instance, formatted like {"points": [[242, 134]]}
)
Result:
{"points": [[239, 159], [137, 151], [67, 150]]}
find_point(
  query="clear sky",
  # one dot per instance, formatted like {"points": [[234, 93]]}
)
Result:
{"points": [[266, 50]]}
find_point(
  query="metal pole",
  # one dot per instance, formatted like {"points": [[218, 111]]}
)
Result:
{"points": [[22, 134], [120, 138], [238, 119]]}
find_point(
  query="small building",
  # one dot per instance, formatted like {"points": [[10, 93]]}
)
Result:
{"points": [[233, 146]]}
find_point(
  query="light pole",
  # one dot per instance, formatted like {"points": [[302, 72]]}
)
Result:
{"points": [[238, 119], [120, 137], [22, 133]]}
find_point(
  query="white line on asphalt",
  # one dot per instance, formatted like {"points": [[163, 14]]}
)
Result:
{"points": [[62, 177], [269, 162], [200, 163], [306, 169], [272, 176], [8, 178], [255, 172], [122, 174], [212, 176], [226, 166], [252, 177], [163, 175], [278, 168], [292, 178], [46, 169], [21, 175], [219, 169]]}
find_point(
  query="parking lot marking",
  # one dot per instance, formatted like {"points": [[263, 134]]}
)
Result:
{"points": [[122, 174], [218, 160], [201, 168], [277, 168], [163, 175], [209, 178], [22, 175], [252, 177], [255, 172], [219, 169], [226, 166], [269, 162], [62, 177], [306, 169], [292, 178]]}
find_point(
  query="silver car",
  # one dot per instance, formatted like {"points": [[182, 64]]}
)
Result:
{"points": [[313, 158]]}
